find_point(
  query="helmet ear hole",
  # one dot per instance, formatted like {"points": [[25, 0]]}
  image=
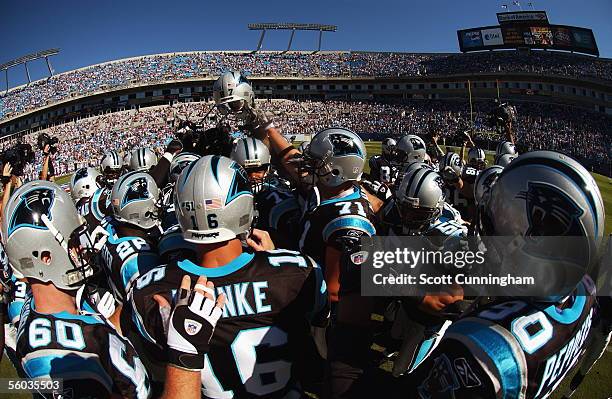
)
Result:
{"points": [[35, 254], [45, 257]]}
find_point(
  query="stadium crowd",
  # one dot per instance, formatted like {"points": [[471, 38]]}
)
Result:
{"points": [[582, 134], [180, 66]]}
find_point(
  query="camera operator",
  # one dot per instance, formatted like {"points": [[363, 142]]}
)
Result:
{"points": [[48, 146]]}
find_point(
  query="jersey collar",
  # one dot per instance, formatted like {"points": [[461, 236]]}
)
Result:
{"points": [[236, 264]]}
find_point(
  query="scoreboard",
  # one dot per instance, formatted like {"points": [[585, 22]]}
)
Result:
{"points": [[527, 29]]}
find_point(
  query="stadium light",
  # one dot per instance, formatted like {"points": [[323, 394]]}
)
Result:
{"points": [[263, 27], [24, 60]]}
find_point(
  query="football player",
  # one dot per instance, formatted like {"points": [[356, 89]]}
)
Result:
{"points": [[382, 167], [48, 244], [278, 209], [451, 170], [409, 148], [272, 296], [523, 347], [96, 207], [133, 230], [418, 209]]}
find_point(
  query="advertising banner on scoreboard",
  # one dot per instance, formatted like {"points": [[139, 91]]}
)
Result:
{"points": [[471, 39], [492, 37], [561, 37], [522, 16]]}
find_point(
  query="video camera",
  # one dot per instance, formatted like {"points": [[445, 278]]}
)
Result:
{"points": [[44, 139], [501, 115], [18, 156]]}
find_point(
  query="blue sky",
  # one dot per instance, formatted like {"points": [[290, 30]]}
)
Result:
{"points": [[89, 32]]}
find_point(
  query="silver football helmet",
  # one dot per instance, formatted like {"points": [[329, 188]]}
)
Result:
{"points": [[142, 160], [254, 156], [419, 198], [220, 210], [505, 147], [388, 148], [504, 160], [545, 193], [135, 200], [232, 93], [44, 236], [410, 148], [110, 166], [180, 162], [84, 183], [336, 156], [485, 180], [450, 166], [477, 158]]}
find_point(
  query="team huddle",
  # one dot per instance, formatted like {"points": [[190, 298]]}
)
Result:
{"points": [[99, 283]]}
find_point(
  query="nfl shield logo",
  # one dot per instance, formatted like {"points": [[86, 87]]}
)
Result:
{"points": [[192, 327], [359, 258]]}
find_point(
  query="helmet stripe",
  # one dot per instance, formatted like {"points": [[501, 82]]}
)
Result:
{"points": [[246, 148], [423, 178]]}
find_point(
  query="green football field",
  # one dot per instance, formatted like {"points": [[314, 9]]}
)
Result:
{"points": [[597, 385]]}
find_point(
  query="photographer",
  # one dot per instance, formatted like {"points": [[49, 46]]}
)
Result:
{"points": [[48, 146]]}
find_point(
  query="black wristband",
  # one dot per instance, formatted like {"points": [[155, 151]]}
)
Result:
{"points": [[186, 360], [5, 180]]}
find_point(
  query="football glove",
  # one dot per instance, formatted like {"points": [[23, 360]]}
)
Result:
{"points": [[192, 324]]}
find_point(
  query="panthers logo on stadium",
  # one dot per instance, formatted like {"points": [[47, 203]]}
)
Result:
{"points": [[137, 190], [31, 206], [551, 212]]}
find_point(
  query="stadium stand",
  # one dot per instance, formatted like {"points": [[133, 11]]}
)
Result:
{"points": [[184, 66]]}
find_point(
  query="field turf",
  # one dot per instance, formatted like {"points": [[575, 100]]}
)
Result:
{"points": [[597, 385]]}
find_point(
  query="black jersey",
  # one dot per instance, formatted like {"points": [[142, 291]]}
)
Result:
{"points": [[278, 212], [509, 349], [325, 221], [95, 208], [271, 297], [172, 246], [458, 200], [86, 352], [382, 170], [125, 259], [168, 215]]}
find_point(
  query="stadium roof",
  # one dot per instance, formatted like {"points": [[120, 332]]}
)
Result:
{"points": [[29, 57], [291, 26]]}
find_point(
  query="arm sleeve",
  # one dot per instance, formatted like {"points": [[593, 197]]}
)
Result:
{"points": [[160, 172], [451, 371]]}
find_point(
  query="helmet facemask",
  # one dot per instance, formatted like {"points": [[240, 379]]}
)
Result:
{"points": [[415, 218], [258, 177]]}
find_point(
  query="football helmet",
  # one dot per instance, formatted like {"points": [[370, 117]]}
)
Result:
{"points": [[505, 147], [419, 198], [84, 183], [504, 160], [253, 155], [450, 166], [477, 158], [485, 180], [110, 166], [44, 236], [545, 193], [232, 93], [142, 160], [220, 210], [180, 162], [388, 148], [135, 200], [335, 156], [410, 148]]}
